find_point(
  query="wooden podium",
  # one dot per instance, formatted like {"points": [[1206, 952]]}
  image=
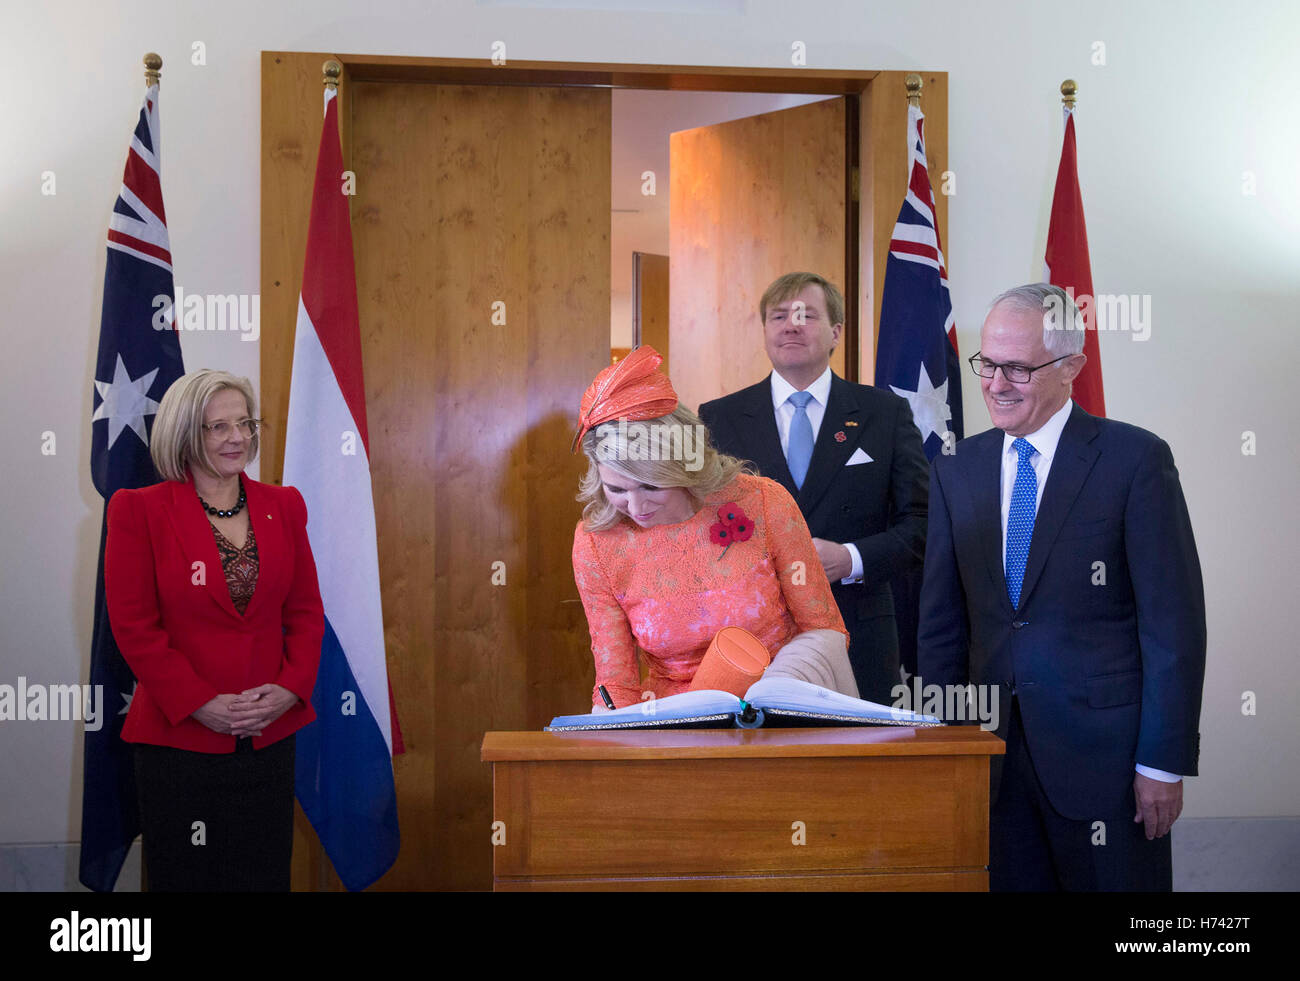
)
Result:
{"points": [[815, 809]]}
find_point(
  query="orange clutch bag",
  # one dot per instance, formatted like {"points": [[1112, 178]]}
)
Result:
{"points": [[734, 661]]}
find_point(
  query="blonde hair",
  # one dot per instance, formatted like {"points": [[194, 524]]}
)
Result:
{"points": [[177, 441], [609, 444]]}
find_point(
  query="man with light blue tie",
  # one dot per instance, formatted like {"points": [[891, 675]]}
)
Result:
{"points": [[1060, 566], [849, 454]]}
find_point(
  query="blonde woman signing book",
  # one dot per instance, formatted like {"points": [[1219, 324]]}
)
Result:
{"points": [[677, 541]]}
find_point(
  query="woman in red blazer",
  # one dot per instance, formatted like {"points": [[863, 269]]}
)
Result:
{"points": [[213, 601]]}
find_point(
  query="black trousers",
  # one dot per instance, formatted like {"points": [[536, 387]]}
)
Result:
{"points": [[216, 822], [1032, 848], [873, 656]]}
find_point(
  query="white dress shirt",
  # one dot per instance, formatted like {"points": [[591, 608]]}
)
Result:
{"points": [[1045, 441], [820, 390]]}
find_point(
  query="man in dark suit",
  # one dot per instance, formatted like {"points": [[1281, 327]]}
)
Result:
{"points": [[1060, 567], [849, 454]]}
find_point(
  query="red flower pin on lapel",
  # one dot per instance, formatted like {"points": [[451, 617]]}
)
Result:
{"points": [[840, 437], [734, 526]]}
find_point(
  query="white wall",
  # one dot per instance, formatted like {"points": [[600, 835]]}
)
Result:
{"points": [[1191, 95]]}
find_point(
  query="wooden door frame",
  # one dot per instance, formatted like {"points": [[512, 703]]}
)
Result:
{"points": [[291, 111], [875, 134]]}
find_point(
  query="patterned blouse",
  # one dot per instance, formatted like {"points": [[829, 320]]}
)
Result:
{"points": [[670, 589], [240, 567]]}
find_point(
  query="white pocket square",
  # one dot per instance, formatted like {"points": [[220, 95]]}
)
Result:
{"points": [[857, 457]]}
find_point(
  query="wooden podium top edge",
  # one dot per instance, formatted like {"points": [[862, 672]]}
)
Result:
{"points": [[623, 744]]}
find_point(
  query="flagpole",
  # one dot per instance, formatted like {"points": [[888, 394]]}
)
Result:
{"points": [[1069, 93], [324, 879], [343, 773], [916, 347], [1066, 254], [913, 83], [137, 270], [152, 76]]}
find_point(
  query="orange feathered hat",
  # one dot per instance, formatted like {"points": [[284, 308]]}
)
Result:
{"points": [[633, 389]]}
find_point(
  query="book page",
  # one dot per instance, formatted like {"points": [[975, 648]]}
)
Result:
{"points": [[687, 705], [800, 696]]}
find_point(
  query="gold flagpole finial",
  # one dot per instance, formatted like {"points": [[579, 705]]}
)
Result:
{"points": [[1069, 92], [152, 69], [913, 83], [333, 71]]}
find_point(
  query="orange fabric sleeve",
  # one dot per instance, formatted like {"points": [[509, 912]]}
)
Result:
{"points": [[612, 644], [804, 584]]}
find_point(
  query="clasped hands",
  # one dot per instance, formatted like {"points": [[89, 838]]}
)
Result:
{"points": [[247, 713]]}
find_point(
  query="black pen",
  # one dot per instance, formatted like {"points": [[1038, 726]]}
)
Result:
{"points": [[609, 702]]}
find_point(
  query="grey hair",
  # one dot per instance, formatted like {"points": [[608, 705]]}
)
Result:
{"points": [[1063, 325]]}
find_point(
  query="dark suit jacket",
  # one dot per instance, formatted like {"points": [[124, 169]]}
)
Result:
{"points": [[878, 506], [1106, 653], [177, 627]]}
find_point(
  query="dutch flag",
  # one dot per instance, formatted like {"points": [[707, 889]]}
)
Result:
{"points": [[345, 758]]}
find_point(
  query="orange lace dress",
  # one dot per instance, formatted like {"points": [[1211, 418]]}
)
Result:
{"points": [[670, 589]]}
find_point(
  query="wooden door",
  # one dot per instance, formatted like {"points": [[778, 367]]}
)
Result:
{"points": [[751, 199], [481, 231], [482, 240], [650, 304]]}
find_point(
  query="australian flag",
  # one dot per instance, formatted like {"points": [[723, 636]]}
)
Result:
{"points": [[139, 358], [916, 354]]}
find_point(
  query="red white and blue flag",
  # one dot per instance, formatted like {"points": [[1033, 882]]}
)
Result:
{"points": [[344, 776], [1068, 266], [916, 351], [139, 358]]}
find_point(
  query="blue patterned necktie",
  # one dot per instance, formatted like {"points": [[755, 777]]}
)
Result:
{"points": [[1020, 519], [799, 449]]}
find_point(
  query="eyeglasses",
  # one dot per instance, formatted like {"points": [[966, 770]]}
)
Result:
{"points": [[222, 430], [1017, 373]]}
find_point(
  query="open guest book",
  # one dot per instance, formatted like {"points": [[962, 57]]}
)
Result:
{"points": [[772, 702]]}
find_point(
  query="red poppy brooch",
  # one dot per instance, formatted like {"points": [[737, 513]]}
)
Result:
{"points": [[733, 526]]}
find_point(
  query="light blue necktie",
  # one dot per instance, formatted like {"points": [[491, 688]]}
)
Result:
{"points": [[1020, 519], [800, 445]]}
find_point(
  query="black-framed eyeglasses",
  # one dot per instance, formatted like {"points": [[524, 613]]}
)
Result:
{"points": [[1017, 373], [220, 430]]}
